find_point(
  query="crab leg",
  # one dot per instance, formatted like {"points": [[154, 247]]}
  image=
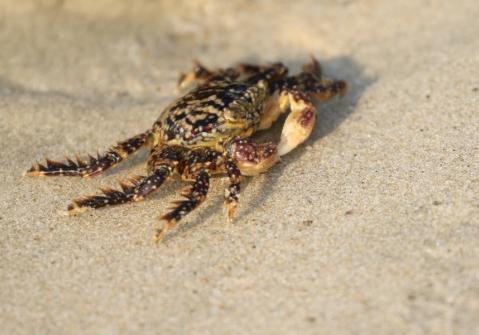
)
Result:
{"points": [[94, 166], [135, 189], [195, 195], [233, 190], [162, 163], [201, 74], [314, 67], [325, 89]]}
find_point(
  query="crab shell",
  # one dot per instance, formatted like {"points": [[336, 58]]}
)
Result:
{"points": [[222, 116]]}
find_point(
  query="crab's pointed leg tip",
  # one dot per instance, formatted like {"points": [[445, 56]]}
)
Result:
{"points": [[63, 213], [33, 174], [158, 236], [196, 62], [34, 171], [74, 210], [181, 78], [230, 212]]}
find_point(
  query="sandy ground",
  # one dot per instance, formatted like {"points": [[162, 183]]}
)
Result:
{"points": [[371, 227]]}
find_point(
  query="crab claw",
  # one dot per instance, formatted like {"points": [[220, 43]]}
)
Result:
{"points": [[252, 158]]}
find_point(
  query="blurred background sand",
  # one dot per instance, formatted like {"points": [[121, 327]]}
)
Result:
{"points": [[371, 227]]}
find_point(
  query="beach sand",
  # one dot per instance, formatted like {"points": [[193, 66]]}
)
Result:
{"points": [[370, 227]]}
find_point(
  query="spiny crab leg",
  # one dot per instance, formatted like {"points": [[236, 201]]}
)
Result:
{"points": [[94, 165], [135, 189], [233, 189], [195, 195]]}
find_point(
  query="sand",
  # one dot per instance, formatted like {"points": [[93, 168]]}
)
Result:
{"points": [[370, 227]]}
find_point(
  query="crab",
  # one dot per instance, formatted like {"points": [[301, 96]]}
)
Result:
{"points": [[207, 131]]}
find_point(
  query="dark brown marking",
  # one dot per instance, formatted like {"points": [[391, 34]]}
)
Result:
{"points": [[306, 117]]}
